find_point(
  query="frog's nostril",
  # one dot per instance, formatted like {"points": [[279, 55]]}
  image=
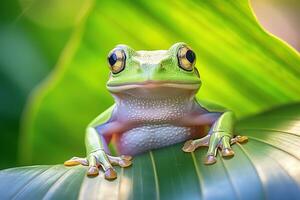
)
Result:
{"points": [[158, 68]]}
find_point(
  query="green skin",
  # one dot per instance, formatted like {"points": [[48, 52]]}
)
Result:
{"points": [[154, 78]]}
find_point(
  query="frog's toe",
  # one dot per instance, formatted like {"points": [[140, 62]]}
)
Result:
{"points": [[122, 161], [126, 157], [226, 148], [210, 159], [188, 146], [110, 174], [76, 161], [227, 152], [93, 171], [125, 163], [239, 139]]}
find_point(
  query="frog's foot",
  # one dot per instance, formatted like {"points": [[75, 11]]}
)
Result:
{"points": [[100, 159], [223, 141], [215, 141]]}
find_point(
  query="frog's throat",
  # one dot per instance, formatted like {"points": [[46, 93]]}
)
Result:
{"points": [[153, 85]]}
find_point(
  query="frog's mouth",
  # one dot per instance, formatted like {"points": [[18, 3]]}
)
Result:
{"points": [[154, 85]]}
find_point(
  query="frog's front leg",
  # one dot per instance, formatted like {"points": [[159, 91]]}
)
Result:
{"points": [[219, 136], [96, 154]]}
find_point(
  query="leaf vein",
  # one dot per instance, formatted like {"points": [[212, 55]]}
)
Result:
{"points": [[155, 175]]}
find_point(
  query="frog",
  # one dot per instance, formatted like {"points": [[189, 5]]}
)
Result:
{"points": [[155, 106]]}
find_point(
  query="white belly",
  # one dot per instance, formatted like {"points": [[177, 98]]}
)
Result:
{"points": [[152, 136]]}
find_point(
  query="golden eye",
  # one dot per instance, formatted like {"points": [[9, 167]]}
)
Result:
{"points": [[186, 58], [116, 59]]}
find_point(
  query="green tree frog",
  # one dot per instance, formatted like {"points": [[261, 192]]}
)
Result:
{"points": [[155, 106]]}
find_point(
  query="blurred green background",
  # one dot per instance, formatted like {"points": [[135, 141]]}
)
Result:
{"points": [[64, 44]]}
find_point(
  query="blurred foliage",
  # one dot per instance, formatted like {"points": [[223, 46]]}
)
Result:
{"points": [[28, 51], [242, 67], [267, 167]]}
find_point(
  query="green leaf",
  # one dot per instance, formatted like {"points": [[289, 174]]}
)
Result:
{"points": [[242, 67], [268, 166]]}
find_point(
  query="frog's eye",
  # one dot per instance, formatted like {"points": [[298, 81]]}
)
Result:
{"points": [[186, 58], [117, 59]]}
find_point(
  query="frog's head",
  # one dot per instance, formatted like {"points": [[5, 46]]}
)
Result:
{"points": [[153, 73]]}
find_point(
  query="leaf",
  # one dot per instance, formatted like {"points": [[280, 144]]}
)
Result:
{"points": [[268, 166], [242, 67]]}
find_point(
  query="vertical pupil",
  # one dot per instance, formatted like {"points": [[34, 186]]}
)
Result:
{"points": [[190, 55], [112, 59]]}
